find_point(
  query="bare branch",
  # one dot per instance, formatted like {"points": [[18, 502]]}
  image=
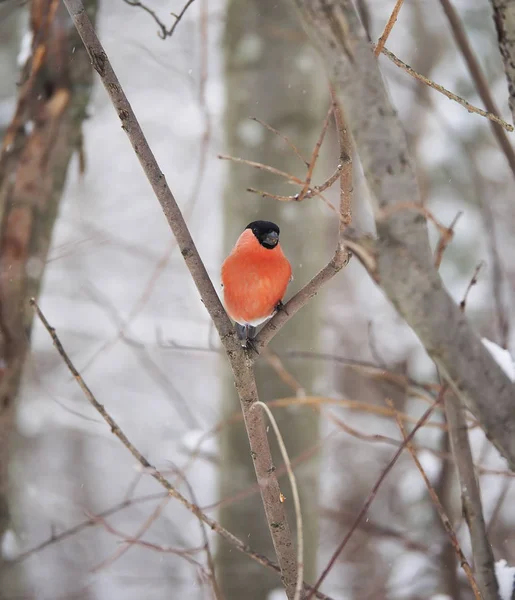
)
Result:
{"points": [[504, 18], [479, 79], [388, 27], [439, 88], [163, 32], [443, 516], [342, 254], [284, 137], [470, 492], [400, 260], [374, 491], [296, 500]]}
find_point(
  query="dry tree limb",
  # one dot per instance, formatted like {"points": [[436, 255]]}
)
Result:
{"points": [[133, 539], [308, 190], [373, 493], [164, 32], [469, 486], [439, 88], [314, 156], [400, 260], [479, 79], [41, 138], [296, 500], [284, 137], [150, 469], [209, 555], [342, 254], [388, 27], [128, 540], [345, 164], [55, 538], [442, 514], [504, 18]]}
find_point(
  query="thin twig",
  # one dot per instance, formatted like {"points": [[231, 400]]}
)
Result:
{"points": [[488, 114], [163, 32], [388, 27], [470, 493], [446, 236], [59, 537], [480, 81], [273, 359], [296, 499], [342, 254], [441, 512], [374, 491], [314, 156], [472, 283], [284, 137], [346, 179], [210, 561], [308, 191], [130, 541], [263, 167]]}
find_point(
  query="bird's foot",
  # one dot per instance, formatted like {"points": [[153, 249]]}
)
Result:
{"points": [[250, 346], [246, 334], [280, 306]]}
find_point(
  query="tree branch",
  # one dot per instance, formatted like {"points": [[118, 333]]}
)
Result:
{"points": [[43, 135], [400, 260], [470, 493], [479, 79], [504, 18], [342, 254]]}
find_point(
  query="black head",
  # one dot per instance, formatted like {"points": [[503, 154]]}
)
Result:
{"points": [[266, 232]]}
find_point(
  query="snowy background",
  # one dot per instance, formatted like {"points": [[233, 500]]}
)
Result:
{"points": [[118, 293]]}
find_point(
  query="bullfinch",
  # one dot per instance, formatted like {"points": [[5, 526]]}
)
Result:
{"points": [[255, 276]]}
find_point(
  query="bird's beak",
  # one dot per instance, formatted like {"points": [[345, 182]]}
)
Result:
{"points": [[271, 238]]}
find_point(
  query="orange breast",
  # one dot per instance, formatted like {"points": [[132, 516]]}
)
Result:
{"points": [[254, 279]]}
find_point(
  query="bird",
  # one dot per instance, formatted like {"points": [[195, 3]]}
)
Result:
{"points": [[255, 276]]}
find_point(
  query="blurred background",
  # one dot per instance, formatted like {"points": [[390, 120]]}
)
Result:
{"points": [[119, 295]]}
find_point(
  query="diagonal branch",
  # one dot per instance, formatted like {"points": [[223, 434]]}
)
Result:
{"points": [[439, 88], [442, 514], [504, 18], [400, 259], [470, 493], [388, 27], [240, 360], [342, 254], [479, 79]]}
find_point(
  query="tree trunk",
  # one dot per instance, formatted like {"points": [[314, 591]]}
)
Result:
{"points": [[54, 90], [267, 61]]}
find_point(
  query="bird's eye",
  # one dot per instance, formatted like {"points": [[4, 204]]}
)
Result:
{"points": [[254, 230]]}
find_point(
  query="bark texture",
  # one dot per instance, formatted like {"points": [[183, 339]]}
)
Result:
{"points": [[54, 90], [504, 18]]}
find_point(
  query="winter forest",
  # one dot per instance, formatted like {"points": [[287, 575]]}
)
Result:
{"points": [[362, 445]]}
